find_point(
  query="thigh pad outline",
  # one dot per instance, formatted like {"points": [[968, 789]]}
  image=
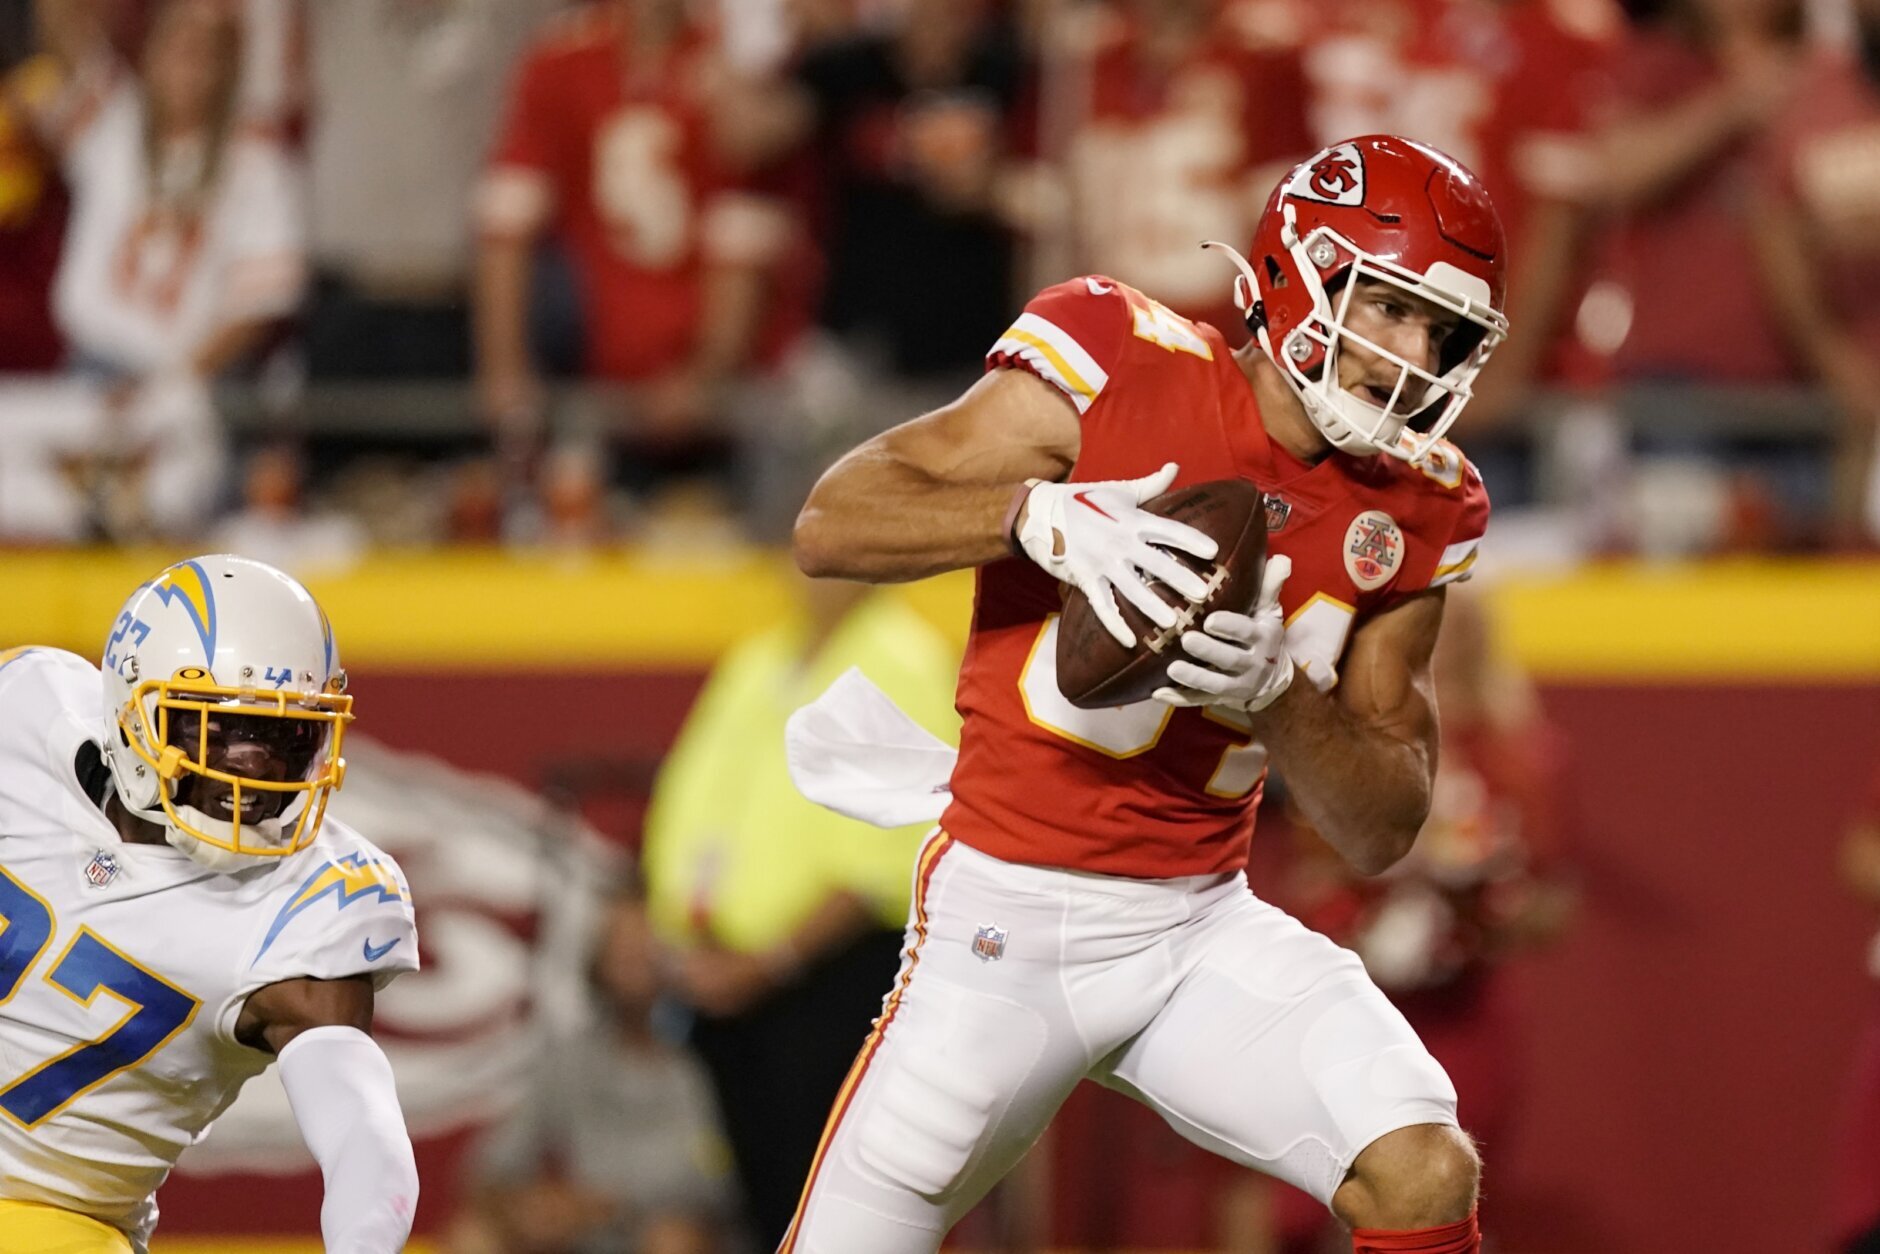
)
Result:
{"points": [[951, 1067]]}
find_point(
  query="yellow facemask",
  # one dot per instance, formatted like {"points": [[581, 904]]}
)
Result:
{"points": [[189, 707]]}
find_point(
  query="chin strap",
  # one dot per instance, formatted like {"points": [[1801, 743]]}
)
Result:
{"points": [[339, 1084]]}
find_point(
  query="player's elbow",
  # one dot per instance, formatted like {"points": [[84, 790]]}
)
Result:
{"points": [[1382, 851], [815, 545], [1386, 839]]}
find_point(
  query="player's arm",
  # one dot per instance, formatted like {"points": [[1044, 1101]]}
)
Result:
{"points": [[935, 494], [514, 207], [508, 390], [339, 1084], [977, 480], [1360, 760], [1645, 155]]}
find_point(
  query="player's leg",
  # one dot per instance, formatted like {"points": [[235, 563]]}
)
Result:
{"points": [[34, 1229], [1277, 1052], [972, 1058]]}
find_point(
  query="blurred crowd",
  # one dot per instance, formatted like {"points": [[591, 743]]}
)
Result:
{"points": [[313, 276]]}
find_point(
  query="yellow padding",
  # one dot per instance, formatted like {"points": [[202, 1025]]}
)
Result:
{"points": [[1747, 620], [30, 1228], [1754, 620]]}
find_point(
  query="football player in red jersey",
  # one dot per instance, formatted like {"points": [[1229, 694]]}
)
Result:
{"points": [[1083, 911]]}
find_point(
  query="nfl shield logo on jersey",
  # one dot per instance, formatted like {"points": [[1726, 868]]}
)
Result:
{"points": [[1277, 510], [102, 869], [989, 943]]}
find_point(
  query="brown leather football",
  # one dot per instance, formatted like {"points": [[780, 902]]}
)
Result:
{"points": [[1094, 670]]}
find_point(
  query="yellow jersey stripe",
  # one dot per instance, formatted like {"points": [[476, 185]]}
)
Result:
{"points": [[1072, 381], [1455, 568]]}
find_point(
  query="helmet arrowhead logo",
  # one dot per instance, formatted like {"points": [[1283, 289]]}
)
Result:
{"points": [[1334, 177], [1333, 174]]}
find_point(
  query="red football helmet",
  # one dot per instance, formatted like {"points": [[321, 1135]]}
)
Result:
{"points": [[1383, 208]]}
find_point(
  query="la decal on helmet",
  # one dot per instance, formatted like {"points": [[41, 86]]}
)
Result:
{"points": [[1390, 210], [224, 709]]}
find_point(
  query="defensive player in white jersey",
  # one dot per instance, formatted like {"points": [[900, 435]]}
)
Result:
{"points": [[176, 912]]}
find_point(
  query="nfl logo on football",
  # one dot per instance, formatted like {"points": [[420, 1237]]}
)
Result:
{"points": [[989, 943], [101, 870]]}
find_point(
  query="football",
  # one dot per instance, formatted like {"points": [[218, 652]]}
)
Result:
{"points": [[1094, 670]]}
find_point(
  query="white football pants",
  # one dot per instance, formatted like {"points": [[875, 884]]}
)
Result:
{"points": [[1254, 1037]]}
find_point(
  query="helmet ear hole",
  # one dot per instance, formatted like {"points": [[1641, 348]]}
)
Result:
{"points": [[1274, 275]]}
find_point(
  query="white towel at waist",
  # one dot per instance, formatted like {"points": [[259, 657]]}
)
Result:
{"points": [[854, 751]]}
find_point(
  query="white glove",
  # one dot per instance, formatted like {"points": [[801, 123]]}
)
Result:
{"points": [[1094, 537], [1247, 663]]}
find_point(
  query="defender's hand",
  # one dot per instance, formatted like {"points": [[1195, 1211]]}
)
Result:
{"points": [[1095, 537], [1247, 663]]}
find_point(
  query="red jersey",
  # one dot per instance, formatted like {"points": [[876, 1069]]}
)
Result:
{"points": [[624, 156], [1146, 790], [1166, 156], [1692, 239], [32, 229]]}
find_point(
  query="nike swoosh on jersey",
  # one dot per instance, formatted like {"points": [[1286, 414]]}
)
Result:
{"points": [[375, 952], [1098, 289]]}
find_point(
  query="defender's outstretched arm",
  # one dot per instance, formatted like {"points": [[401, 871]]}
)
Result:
{"points": [[339, 1084]]}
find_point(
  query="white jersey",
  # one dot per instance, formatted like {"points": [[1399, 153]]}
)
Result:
{"points": [[123, 967], [142, 290]]}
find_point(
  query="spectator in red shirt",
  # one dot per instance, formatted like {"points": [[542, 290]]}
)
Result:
{"points": [[32, 222], [609, 147], [1816, 228], [1512, 89], [1696, 86], [1182, 115]]}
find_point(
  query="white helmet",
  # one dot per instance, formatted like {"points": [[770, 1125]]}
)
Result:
{"points": [[224, 709]]}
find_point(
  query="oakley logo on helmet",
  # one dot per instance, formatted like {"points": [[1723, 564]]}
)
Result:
{"points": [[1336, 178]]}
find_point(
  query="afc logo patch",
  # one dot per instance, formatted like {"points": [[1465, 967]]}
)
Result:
{"points": [[1335, 177], [989, 942], [1373, 549]]}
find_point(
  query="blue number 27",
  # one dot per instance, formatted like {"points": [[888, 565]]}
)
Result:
{"points": [[155, 1009]]}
